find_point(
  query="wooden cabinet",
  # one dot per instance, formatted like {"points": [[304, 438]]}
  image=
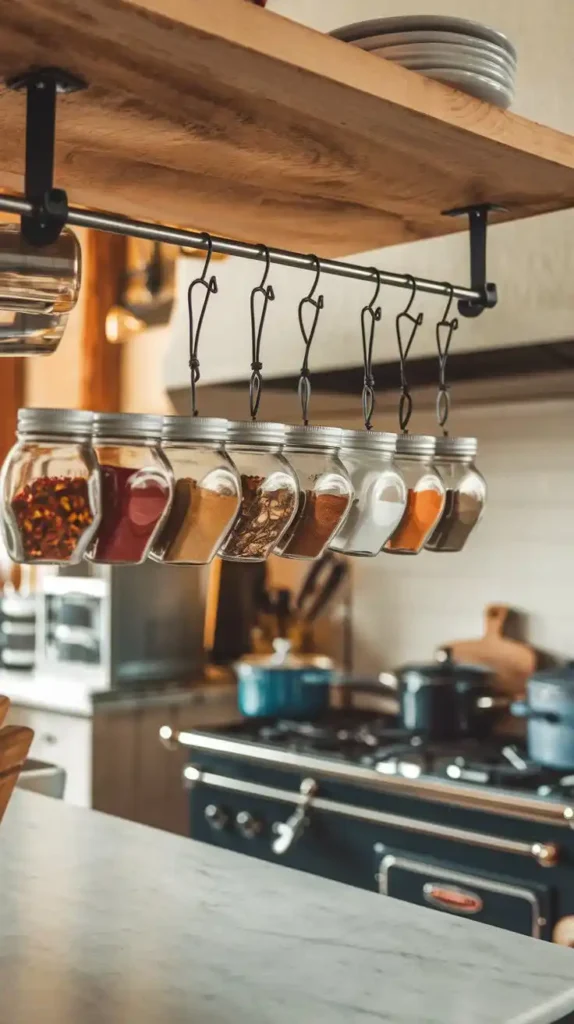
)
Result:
{"points": [[134, 775], [64, 740]]}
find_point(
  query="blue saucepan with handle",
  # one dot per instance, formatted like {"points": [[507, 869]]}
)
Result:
{"points": [[549, 711], [283, 685]]}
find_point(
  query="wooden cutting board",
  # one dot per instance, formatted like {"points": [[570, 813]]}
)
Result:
{"points": [[511, 661], [15, 743]]}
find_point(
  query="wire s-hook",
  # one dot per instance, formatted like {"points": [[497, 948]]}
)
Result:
{"points": [[405, 400], [449, 326], [265, 291], [308, 332], [370, 315], [210, 288]]}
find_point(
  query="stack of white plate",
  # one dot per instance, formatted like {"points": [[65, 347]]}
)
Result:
{"points": [[469, 56]]}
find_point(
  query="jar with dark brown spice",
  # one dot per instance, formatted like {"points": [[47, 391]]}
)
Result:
{"points": [[269, 490], [325, 491], [465, 493]]}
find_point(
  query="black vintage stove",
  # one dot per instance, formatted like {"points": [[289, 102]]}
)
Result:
{"points": [[469, 827]]}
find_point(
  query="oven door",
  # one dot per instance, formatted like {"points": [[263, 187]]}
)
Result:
{"points": [[494, 901]]}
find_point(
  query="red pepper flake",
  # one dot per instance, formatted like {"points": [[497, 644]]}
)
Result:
{"points": [[52, 514]]}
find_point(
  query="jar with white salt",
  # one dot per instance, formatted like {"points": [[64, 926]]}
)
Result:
{"points": [[380, 492]]}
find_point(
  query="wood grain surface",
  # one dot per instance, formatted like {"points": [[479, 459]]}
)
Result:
{"points": [[104, 259], [230, 118], [15, 743], [511, 661]]}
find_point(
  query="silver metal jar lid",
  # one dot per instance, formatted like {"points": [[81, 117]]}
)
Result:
{"points": [[456, 447], [194, 428], [369, 440], [255, 433], [313, 437], [135, 426], [56, 422], [422, 445]]}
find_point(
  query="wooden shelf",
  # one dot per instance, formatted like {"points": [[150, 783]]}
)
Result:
{"points": [[223, 116]]}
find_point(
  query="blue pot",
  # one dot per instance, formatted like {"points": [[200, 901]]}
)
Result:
{"points": [[282, 692]]}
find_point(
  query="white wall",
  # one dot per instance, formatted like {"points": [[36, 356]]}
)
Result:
{"points": [[532, 261], [522, 553]]}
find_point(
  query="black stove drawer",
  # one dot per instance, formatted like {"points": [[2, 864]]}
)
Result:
{"points": [[522, 909]]}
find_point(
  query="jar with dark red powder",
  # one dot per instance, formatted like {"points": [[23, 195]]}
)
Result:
{"points": [[50, 487], [325, 491], [137, 486]]}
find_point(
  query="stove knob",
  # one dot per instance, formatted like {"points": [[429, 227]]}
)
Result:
{"points": [[216, 817], [547, 854], [247, 825]]}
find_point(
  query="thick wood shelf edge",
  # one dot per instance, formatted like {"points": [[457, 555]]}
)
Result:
{"points": [[227, 117]]}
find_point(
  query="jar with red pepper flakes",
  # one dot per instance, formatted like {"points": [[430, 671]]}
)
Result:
{"points": [[50, 485], [137, 487]]}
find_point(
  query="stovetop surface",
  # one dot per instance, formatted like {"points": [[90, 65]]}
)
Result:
{"points": [[379, 743]]}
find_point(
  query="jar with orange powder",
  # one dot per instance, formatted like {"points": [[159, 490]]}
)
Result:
{"points": [[425, 494]]}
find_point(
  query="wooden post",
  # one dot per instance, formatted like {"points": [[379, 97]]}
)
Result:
{"points": [[101, 363]]}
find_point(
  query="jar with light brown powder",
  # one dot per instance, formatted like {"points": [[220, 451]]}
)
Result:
{"points": [[425, 494], [207, 490]]}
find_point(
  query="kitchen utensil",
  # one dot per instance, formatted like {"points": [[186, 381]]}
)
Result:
{"points": [[480, 86], [424, 23], [549, 710], [449, 41], [284, 684], [320, 584], [15, 743], [414, 60], [441, 700], [512, 662]]}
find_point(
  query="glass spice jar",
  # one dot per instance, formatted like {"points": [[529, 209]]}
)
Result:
{"points": [[325, 491], [50, 485], [425, 494], [465, 493], [269, 491], [207, 491], [137, 486], [380, 492]]}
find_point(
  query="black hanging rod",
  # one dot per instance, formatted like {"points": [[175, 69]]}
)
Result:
{"points": [[283, 257]]}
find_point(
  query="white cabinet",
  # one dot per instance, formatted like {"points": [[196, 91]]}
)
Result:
{"points": [[64, 740]]}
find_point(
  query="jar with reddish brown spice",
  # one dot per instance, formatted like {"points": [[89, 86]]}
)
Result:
{"points": [[269, 491], [207, 490], [51, 501], [325, 491], [425, 494], [137, 487]]}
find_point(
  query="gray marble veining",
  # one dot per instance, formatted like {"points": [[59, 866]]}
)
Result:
{"points": [[105, 921]]}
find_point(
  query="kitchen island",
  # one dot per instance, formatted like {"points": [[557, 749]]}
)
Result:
{"points": [[105, 921]]}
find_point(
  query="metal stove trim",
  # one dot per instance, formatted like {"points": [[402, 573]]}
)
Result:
{"points": [[422, 868], [193, 776], [503, 802]]}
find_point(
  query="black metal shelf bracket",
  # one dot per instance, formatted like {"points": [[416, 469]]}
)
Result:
{"points": [[49, 205], [477, 223]]}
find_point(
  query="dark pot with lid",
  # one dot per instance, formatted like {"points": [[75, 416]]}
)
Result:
{"points": [[444, 700], [548, 708]]}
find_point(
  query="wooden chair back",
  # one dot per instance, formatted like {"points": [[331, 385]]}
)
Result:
{"points": [[15, 741]]}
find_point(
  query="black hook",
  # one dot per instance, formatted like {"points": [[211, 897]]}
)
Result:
{"points": [[317, 305], [268, 295], [370, 315], [450, 325], [405, 400], [210, 287]]}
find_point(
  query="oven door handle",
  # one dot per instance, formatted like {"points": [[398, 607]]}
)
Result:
{"points": [[545, 854], [288, 832]]}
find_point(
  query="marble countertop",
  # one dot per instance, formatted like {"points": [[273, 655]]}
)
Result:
{"points": [[107, 922]]}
